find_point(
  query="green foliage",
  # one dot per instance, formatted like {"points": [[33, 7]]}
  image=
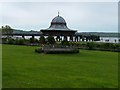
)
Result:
{"points": [[36, 40], [50, 40], [107, 45], [4, 40], [7, 29], [117, 46], [39, 50], [10, 41], [16, 41], [97, 46], [71, 43], [42, 40], [65, 43], [19, 41], [91, 45], [23, 68], [32, 40]]}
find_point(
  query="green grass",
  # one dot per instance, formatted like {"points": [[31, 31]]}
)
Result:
{"points": [[0, 66], [23, 68]]}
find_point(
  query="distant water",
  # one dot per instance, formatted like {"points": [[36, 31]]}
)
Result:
{"points": [[102, 39]]}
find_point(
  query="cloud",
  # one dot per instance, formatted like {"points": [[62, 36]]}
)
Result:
{"points": [[88, 16], [60, 1]]}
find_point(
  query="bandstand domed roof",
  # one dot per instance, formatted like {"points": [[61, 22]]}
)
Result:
{"points": [[58, 19], [58, 23]]}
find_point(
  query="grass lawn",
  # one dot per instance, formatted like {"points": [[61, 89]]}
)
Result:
{"points": [[0, 66], [23, 68]]}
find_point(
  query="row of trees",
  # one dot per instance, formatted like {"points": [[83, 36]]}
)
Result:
{"points": [[97, 46], [20, 41], [33, 41], [82, 38], [83, 45], [48, 40], [51, 41], [6, 29], [89, 38]]}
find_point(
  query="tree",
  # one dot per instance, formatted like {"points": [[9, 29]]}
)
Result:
{"points": [[51, 40], [87, 38], [7, 30], [58, 38], [36, 41], [42, 40], [119, 40], [11, 41], [115, 40], [81, 37], [19, 41], [92, 37], [95, 38], [32, 40]]}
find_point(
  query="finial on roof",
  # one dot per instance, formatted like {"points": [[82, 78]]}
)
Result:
{"points": [[58, 13]]}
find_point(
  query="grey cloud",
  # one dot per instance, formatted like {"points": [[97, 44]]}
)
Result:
{"points": [[78, 15]]}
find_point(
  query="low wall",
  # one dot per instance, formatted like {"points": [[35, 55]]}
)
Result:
{"points": [[59, 50]]}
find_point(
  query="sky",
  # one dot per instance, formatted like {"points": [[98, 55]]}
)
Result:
{"points": [[81, 16]]}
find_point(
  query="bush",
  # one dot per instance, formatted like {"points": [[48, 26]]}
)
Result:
{"points": [[42, 40], [91, 45], [36, 41], [32, 40], [107, 45], [4, 40], [116, 46], [98, 45], [10, 41], [51, 40], [20, 41], [65, 43], [39, 50], [71, 43], [17, 42]]}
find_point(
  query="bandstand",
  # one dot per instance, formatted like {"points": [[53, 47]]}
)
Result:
{"points": [[59, 29]]}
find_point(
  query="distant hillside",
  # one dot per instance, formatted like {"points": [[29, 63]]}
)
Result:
{"points": [[101, 34], [26, 32]]}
